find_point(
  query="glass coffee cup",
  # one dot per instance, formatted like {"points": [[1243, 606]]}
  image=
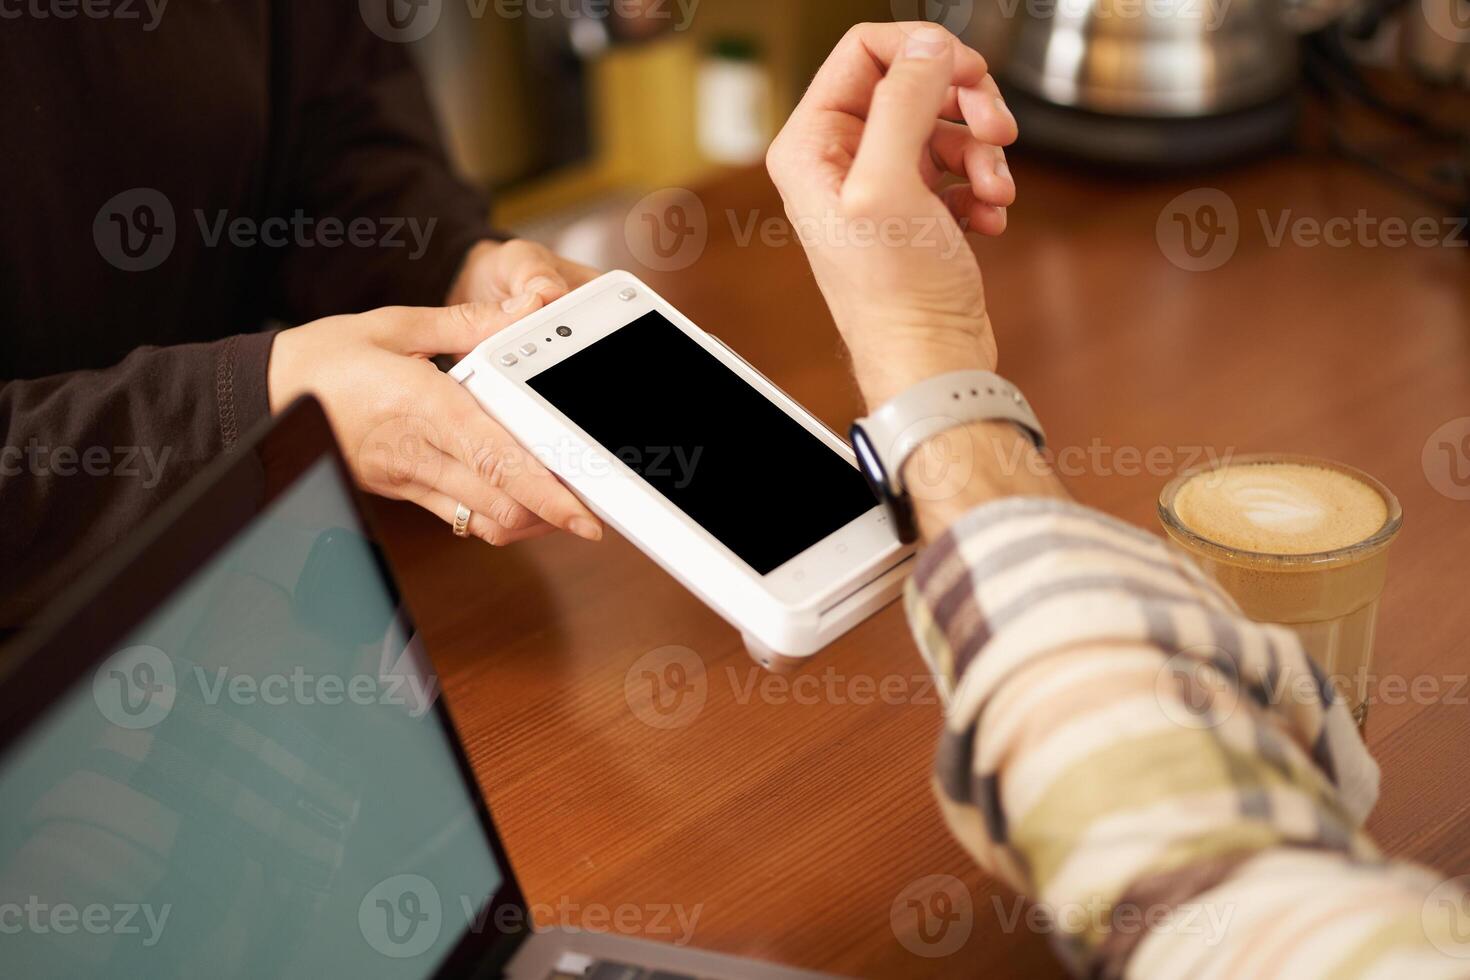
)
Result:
{"points": [[1329, 597]]}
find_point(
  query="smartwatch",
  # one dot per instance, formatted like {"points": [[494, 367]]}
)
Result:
{"points": [[885, 440]]}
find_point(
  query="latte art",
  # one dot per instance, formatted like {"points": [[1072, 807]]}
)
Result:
{"points": [[1295, 541], [1281, 508], [1270, 502]]}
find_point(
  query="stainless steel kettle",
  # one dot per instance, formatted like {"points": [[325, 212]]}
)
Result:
{"points": [[1182, 82]]}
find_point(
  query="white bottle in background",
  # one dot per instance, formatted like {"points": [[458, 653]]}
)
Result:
{"points": [[734, 104]]}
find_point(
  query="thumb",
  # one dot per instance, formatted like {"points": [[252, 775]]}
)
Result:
{"points": [[901, 121], [452, 329]]}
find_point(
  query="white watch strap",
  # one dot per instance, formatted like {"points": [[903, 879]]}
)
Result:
{"points": [[939, 404]]}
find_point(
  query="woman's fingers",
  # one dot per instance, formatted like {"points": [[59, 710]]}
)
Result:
{"points": [[456, 480], [575, 273], [517, 276], [497, 461], [529, 276], [446, 508], [426, 332]]}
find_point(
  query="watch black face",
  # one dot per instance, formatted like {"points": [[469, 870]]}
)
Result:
{"points": [[900, 508], [870, 464]]}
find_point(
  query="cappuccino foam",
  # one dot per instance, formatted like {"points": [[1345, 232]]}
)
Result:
{"points": [[1280, 508]]}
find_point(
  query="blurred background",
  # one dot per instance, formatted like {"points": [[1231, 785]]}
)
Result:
{"points": [[567, 109]]}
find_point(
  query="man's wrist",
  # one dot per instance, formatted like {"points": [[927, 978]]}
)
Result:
{"points": [[968, 466], [962, 468], [900, 360]]}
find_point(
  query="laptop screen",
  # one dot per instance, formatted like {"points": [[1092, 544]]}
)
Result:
{"points": [[255, 783]]}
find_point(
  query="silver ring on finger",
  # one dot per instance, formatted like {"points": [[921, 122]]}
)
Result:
{"points": [[462, 515]]}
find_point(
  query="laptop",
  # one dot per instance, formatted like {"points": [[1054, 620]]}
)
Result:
{"points": [[223, 752]]}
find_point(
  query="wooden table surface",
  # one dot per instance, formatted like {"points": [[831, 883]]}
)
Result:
{"points": [[792, 818]]}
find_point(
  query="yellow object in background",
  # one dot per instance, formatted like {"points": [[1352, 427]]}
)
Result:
{"points": [[641, 95], [644, 99]]}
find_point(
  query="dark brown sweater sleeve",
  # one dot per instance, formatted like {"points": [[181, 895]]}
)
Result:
{"points": [[361, 148], [88, 455]]}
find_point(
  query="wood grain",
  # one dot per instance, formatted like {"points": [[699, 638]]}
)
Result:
{"points": [[793, 822]]}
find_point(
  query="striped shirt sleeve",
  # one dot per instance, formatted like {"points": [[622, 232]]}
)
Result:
{"points": [[1178, 788]]}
